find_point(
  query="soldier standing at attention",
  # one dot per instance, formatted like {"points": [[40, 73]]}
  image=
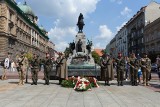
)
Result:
{"points": [[63, 69], [47, 68], [35, 63], [21, 68], [107, 68], [145, 64], [58, 67], [120, 61], [133, 63]]}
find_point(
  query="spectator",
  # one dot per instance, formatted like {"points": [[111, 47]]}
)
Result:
{"points": [[6, 67]]}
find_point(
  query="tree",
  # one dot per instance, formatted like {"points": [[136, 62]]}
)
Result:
{"points": [[67, 52], [29, 56], [96, 57]]}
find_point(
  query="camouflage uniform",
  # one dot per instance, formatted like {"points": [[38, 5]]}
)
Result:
{"points": [[47, 69], [133, 63], [35, 63], [120, 70], [20, 69], [145, 64]]}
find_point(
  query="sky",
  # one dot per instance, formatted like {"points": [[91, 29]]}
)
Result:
{"points": [[102, 18]]}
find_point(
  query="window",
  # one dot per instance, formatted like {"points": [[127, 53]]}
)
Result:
{"points": [[142, 30], [142, 40]]}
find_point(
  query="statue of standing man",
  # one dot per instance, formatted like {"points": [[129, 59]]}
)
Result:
{"points": [[79, 46]]}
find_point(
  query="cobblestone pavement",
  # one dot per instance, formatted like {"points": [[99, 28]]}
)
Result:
{"points": [[12, 95]]}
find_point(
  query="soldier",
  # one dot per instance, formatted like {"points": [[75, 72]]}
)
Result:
{"points": [[47, 68], [21, 68], [120, 61], [106, 64], [58, 67], [63, 69], [158, 65], [35, 63], [134, 66], [145, 64]]}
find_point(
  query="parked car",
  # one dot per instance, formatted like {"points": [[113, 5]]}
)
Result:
{"points": [[154, 67]]}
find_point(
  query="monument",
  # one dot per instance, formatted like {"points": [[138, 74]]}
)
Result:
{"points": [[80, 61]]}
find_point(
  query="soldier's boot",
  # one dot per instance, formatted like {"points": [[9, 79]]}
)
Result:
{"points": [[147, 84], [35, 83], [118, 83], [20, 82], [108, 83], [135, 83], [105, 83], [132, 83], [121, 83]]}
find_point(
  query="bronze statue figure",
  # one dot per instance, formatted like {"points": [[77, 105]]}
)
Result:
{"points": [[80, 23], [79, 46], [72, 46], [88, 46]]}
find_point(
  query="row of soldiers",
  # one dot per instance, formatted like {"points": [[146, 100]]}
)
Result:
{"points": [[120, 62], [35, 65]]}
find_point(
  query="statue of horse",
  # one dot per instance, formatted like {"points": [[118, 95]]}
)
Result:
{"points": [[80, 23]]}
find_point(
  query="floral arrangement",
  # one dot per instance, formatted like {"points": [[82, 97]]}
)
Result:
{"points": [[80, 83]]}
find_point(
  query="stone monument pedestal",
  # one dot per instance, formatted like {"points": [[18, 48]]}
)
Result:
{"points": [[82, 63]]}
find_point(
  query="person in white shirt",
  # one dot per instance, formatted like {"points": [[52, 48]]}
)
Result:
{"points": [[6, 67]]}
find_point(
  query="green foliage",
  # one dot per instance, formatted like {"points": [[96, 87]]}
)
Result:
{"points": [[96, 57], [67, 51], [103, 51], [67, 83], [29, 56]]}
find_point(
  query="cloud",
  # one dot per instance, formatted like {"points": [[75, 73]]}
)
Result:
{"points": [[58, 34], [104, 37], [60, 45], [65, 13], [119, 27], [105, 32], [117, 1], [126, 12]]}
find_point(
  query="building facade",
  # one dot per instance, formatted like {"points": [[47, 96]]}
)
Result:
{"points": [[152, 38], [19, 31], [113, 47], [121, 41], [136, 24]]}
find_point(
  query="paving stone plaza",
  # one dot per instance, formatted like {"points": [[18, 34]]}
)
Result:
{"points": [[12, 95]]}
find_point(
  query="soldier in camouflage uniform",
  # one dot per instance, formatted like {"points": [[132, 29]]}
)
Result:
{"points": [[35, 63], [47, 68], [120, 63], [21, 68], [145, 64], [133, 63]]}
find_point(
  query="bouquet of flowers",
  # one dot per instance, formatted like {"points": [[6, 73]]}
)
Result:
{"points": [[82, 84], [69, 82]]}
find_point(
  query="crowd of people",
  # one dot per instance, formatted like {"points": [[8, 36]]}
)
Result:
{"points": [[131, 67]]}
